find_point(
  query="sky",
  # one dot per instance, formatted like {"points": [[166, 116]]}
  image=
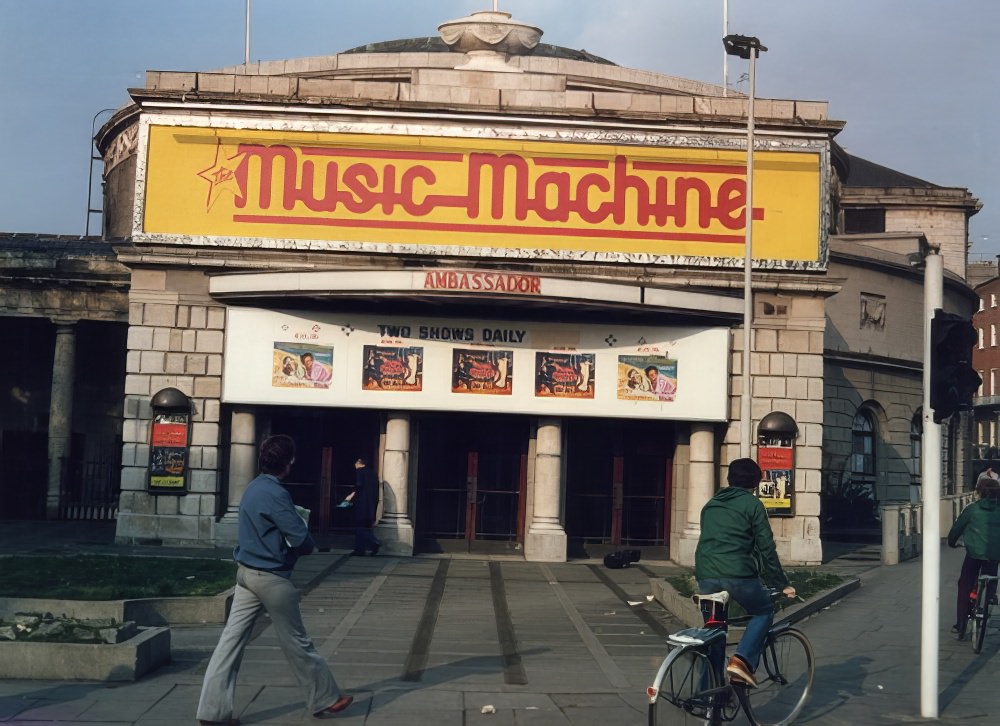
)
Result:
{"points": [[914, 80]]}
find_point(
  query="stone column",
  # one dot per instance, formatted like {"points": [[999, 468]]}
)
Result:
{"points": [[60, 414], [700, 488], [242, 470], [545, 540], [395, 529]]}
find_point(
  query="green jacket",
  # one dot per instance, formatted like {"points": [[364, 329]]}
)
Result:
{"points": [[979, 526], [736, 539]]}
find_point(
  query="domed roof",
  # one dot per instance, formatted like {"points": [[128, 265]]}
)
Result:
{"points": [[434, 44]]}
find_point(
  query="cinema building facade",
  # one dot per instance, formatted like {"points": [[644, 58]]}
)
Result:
{"points": [[512, 281]]}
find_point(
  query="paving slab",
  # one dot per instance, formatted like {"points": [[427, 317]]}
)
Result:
{"points": [[584, 652]]}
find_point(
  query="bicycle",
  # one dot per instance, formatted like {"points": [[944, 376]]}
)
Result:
{"points": [[691, 680], [980, 600]]}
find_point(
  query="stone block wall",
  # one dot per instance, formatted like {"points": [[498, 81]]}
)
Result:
{"points": [[945, 226], [893, 397], [786, 375], [175, 340]]}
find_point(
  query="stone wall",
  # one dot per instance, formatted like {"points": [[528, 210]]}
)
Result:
{"points": [[946, 226], [893, 396], [787, 375], [175, 340]]}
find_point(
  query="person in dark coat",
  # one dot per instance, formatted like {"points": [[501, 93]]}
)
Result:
{"points": [[364, 499]]}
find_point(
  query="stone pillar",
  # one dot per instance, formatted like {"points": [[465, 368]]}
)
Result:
{"points": [[60, 414], [545, 540], [700, 488], [242, 470], [395, 529]]}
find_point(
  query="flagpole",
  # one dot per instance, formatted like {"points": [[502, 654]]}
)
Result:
{"points": [[725, 55], [246, 52]]}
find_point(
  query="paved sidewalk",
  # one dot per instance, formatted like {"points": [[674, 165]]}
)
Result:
{"points": [[435, 640]]}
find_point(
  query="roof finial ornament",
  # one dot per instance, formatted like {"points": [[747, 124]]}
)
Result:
{"points": [[489, 39]]}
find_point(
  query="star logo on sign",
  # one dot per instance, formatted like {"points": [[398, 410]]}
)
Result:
{"points": [[221, 175], [611, 339]]}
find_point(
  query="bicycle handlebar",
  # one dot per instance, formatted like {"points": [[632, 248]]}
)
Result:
{"points": [[777, 593]]}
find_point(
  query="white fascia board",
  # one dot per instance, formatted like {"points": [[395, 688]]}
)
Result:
{"points": [[376, 281]]}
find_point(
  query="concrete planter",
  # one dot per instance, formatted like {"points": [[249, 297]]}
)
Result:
{"points": [[125, 661], [684, 609], [148, 612]]}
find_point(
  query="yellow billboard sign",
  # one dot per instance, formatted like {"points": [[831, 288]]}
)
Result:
{"points": [[437, 192]]}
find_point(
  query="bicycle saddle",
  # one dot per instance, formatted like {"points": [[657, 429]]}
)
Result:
{"points": [[721, 597]]}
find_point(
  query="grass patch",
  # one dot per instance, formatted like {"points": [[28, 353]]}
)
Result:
{"points": [[807, 584], [112, 577]]}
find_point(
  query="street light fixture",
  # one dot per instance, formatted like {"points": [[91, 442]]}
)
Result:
{"points": [[748, 48]]}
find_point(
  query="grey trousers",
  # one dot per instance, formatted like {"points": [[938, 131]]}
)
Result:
{"points": [[256, 591]]}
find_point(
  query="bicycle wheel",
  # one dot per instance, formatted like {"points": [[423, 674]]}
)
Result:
{"points": [[979, 620], [685, 673], [784, 680]]}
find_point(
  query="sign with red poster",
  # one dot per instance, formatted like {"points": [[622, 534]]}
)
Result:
{"points": [[776, 490], [168, 452]]}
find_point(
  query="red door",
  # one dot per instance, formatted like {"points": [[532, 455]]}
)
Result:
{"points": [[471, 477]]}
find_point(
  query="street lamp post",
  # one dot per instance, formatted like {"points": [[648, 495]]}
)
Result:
{"points": [[748, 48]]}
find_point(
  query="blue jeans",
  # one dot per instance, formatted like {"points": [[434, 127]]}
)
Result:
{"points": [[751, 594]]}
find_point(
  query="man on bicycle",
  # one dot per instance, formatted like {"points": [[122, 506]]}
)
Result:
{"points": [[979, 526], [736, 553]]}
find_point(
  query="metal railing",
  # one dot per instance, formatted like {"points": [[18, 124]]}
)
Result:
{"points": [[90, 490]]}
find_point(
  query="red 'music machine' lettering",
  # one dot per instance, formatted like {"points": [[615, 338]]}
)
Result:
{"points": [[497, 192]]}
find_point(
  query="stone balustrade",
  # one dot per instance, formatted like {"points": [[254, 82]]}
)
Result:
{"points": [[902, 525]]}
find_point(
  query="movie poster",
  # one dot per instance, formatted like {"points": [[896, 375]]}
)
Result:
{"points": [[488, 372], [168, 452], [564, 375], [393, 369], [776, 490], [646, 378], [301, 365]]}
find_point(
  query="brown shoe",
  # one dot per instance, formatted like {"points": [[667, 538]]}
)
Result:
{"points": [[740, 672], [339, 705]]}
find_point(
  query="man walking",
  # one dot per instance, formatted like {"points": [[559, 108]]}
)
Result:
{"points": [[271, 538], [735, 553], [364, 498]]}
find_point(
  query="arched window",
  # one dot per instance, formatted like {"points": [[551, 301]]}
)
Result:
{"points": [[863, 451]]}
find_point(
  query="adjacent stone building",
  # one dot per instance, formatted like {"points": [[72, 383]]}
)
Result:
{"points": [[511, 274]]}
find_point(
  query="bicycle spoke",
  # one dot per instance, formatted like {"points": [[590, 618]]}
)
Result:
{"points": [[784, 679], [688, 675]]}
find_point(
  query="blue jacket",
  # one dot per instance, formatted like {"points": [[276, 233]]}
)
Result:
{"points": [[271, 534]]}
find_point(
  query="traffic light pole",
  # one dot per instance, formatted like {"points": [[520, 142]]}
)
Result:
{"points": [[930, 479]]}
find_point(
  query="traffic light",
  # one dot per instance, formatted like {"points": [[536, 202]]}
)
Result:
{"points": [[953, 379]]}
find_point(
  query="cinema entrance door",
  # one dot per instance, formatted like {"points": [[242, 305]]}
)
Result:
{"points": [[618, 485], [471, 480]]}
